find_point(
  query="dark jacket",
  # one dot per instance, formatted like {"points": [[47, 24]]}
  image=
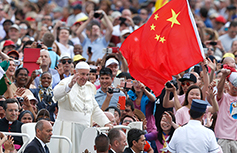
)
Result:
{"points": [[34, 147]]}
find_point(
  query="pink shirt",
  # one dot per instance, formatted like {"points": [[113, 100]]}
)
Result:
{"points": [[226, 124], [182, 116]]}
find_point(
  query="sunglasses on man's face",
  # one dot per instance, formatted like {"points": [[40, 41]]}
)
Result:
{"points": [[16, 58], [187, 83], [64, 61]]}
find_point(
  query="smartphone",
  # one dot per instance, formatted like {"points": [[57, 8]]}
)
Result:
{"points": [[122, 100], [89, 50]]}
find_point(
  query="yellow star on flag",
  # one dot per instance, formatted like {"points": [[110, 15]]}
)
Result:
{"points": [[173, 19], [157, 37], [156, 16], [153, 27], [162, 39]]}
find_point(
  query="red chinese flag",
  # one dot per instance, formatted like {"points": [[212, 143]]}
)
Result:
{"points": [[166, 45]]}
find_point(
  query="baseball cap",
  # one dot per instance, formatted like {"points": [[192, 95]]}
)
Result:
{"points": [[77, 7], [15, 26], [57, 9], [111, 61], [221, 19], [13, 52], [188, 77], [125, 31], [233, 78], [9, 43], [199, 105]]}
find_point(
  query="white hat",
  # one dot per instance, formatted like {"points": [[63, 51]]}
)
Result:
{"points": [[111, 61], [82, 65], [233, 78], [125, 31], [14, 26], [65, 56]]}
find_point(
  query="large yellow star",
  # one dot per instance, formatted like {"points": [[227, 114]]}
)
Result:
{"points": [[157, 37], [162, 39], [156, 16], [173, 19], [153, 27]]}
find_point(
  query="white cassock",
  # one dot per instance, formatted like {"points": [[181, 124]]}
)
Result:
{"points": [[77, 109]]}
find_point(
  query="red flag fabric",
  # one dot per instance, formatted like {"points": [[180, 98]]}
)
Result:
{"points": [[166, 45]]}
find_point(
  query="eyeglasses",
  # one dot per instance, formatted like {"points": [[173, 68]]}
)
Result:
{"points": [[187, 83], [64, 61], [23, 27], [16, 58], [125, 37], [127, 121]]}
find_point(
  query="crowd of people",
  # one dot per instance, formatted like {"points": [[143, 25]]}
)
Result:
{"points": [[82, 79]]}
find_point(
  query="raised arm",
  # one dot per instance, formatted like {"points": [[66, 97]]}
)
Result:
{"points": [[109, 26], [220, 86], [205, 79], [167, 103], [64, 87], [211, 97], [83, 27]]}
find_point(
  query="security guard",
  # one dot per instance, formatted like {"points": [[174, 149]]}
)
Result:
{"points": [[194, 137]]}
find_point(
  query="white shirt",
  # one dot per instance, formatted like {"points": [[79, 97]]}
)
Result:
{"points": [[193, 138]]}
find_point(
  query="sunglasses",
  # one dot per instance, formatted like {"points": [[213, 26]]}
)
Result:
{"points": [[16, 58], [212, 49], [127, 121], [125, 37], [235, 55], [187, 83], [64, 61]]}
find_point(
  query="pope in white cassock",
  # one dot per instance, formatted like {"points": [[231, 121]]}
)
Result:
{"points": [[77, 109]]}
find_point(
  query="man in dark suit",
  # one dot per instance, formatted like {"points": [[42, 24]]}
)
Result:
{"points": [[136, 141], [43, 131], [117, 141]]}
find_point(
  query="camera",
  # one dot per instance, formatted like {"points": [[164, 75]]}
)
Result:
{"points": [[20, 99], [168, 84], [47, 99], [39, 45], [17, 62], [122, 19], [113, 90], [98, 15], [213, 43]]}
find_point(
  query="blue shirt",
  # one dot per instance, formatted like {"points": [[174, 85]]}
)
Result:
{"points": [[100, 97], [96, 48]]}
